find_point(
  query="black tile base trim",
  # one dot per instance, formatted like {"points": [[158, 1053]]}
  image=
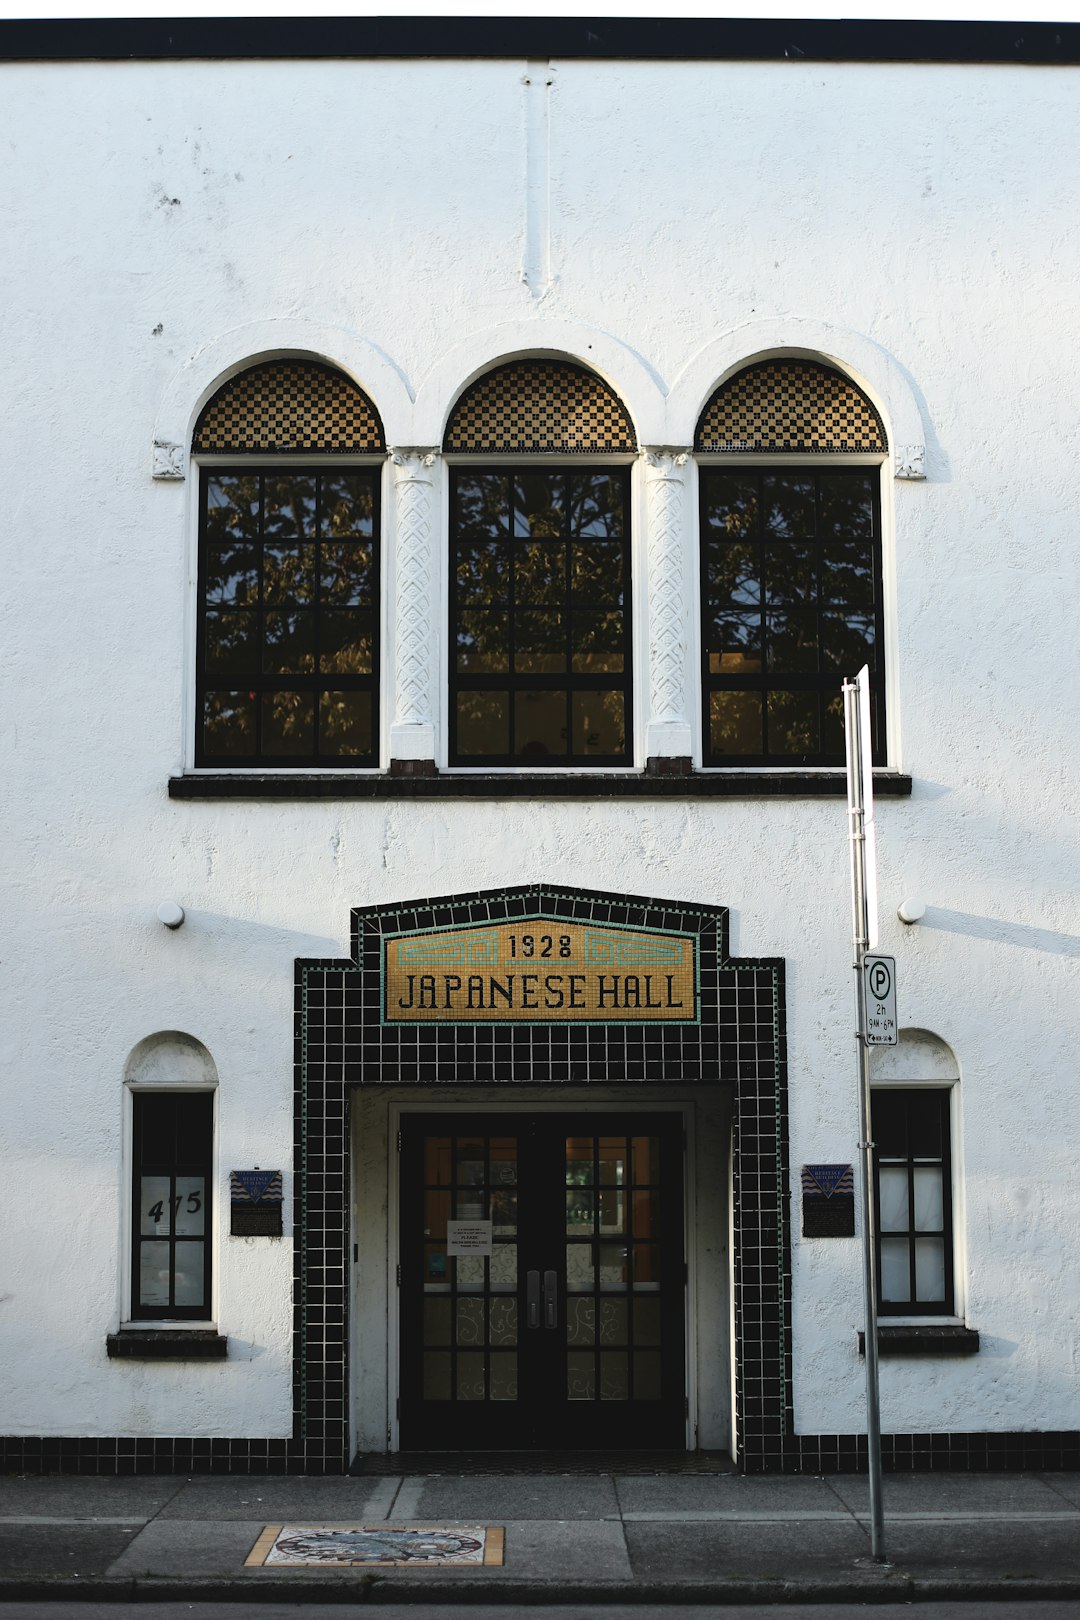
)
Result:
{"points": [[793, 784], [924, 1339], [167, 1344], [982, 1452], [1044, 1451]]}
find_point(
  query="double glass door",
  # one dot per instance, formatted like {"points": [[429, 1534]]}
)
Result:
{"points": [[542, 1281]]}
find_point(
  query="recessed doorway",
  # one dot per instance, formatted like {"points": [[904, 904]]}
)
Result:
{"points": [[543, 1281], [690, 1212]]}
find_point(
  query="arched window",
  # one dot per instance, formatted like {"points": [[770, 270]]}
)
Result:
{"points": [[288, 639], [540, 633], [789, 454], [916, 1163], [172, 1079]]}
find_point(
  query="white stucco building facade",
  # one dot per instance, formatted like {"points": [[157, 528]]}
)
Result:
{"points": [[417, 225]]}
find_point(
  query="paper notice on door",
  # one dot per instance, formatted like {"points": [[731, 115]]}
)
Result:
{"points": [[468, 1237]]}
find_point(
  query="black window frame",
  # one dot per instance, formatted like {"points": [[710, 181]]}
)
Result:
{"points": [[514, 682], [200, 1104], [825, 682], [927, 1100], [260, 682]]}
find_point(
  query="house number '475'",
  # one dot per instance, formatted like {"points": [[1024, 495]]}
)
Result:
{"points": [[194, 1204]]}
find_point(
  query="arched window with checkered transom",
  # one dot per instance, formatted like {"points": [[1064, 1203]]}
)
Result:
{"points": [[289, 455], [540, 632], [790, 454]]}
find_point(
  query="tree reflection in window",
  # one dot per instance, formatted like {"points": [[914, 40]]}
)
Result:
{"points": [[288, 644], [791, 594], [540, 671]]}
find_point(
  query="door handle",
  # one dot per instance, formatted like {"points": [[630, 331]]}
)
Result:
{"points": [[532, 1299], [551, 1300]]}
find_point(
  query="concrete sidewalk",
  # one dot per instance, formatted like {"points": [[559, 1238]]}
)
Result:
{"points": [[583, 1537]]}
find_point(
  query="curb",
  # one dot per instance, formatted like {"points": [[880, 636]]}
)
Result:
{"points": [[368, 1589]]}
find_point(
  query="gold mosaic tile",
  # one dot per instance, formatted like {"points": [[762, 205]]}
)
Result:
{"points": [[790, 405], [532, 406], [289, 405]]}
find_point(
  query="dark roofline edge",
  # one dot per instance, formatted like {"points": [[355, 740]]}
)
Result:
{"points": [[569, 38]]}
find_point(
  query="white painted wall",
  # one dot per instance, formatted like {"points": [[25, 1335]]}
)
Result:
{"points": [[163, 220]]}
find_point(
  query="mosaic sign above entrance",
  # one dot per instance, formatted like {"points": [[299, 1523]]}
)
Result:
{"points": [[539, 970]]}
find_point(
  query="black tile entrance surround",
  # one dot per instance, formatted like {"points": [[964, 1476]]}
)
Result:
{"points": [[738, 1040]]}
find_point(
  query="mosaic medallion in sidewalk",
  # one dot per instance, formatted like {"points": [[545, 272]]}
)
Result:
{"points": [[341, 1546]]}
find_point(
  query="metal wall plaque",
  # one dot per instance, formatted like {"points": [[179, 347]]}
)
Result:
{"points": [[540, 970], [828, 1200], [256, 1199]]}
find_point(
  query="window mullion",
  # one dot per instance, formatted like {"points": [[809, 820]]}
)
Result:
{"points": [[172, 1237], [763, 615], [913, 1294], [317, 618], [568, 613], [511, 629], [819, 611], [261, 637]]}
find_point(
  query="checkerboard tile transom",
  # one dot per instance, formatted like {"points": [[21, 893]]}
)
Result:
{"points": [[790, 405], [533, 406], [289, 405]]}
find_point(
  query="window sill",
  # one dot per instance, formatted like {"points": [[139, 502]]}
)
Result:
{"points": [[793, 783], [926, 1339], [167, 1344]]}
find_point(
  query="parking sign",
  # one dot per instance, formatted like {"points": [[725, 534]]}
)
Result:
{"points": [[879, 1000]]}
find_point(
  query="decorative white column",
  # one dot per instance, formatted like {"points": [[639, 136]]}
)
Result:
{"points": [[668, 737], [416, 641]]}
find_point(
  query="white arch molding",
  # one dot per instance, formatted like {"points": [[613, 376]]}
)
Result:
{"points": [[172, 1059], [876, 372], [223, 357], [418, 417], [636, 384], [919, 1057]]}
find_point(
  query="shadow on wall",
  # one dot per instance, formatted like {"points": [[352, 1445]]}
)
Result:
{"points": [[220, 927], [1021, 935]]}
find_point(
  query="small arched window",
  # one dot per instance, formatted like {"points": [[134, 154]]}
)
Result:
{"points": [[915, 1100], [540, 633], [288, 638], [789, 453], [172, 1079]]}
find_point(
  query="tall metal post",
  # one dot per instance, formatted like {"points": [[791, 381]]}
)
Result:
{"points": [[856, 755]]}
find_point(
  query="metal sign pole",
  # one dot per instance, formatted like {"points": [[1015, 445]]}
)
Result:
{"points": [[861, 922]]}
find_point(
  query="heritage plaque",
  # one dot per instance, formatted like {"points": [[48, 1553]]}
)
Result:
{"points": [[828, 1200], [255, 1198], [541, 970]]}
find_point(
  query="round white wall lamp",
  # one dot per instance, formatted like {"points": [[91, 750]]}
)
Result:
{"points": [[170, 913], [911, 911]]}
